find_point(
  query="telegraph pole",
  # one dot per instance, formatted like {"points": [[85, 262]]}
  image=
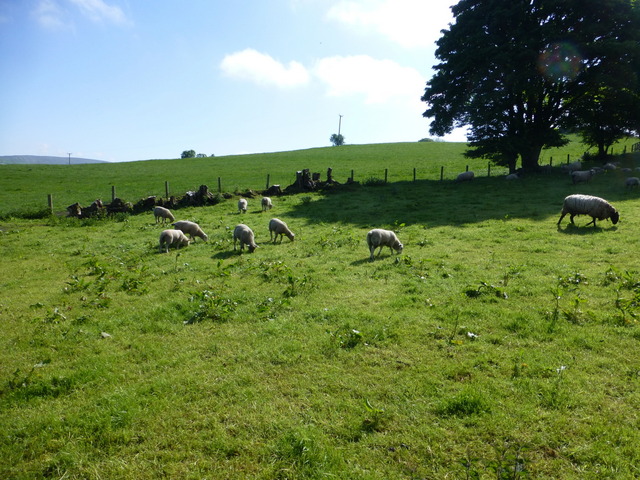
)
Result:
{"points": [[340, 123]]}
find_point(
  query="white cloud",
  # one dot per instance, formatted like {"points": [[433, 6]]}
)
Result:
{"points": [[99, 11], [264, 70], [378, 80], [50, 15], [410, 23]]}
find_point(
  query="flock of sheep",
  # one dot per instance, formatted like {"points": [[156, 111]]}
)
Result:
{"points": [[597, 208], [177, 237]]}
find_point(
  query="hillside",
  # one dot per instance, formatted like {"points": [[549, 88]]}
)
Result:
{"points": [[43, 160]]}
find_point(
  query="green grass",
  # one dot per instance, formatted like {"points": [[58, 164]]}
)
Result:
{"points": [[495, 346]]}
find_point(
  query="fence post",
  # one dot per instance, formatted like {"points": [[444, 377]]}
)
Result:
{"points": [[467, 169], [414, 174], [351, 176], [267, 187], [219, 186], [551, 161], [50, 202], [386, 171], [113, 192], [568, 157], [166, 189], [441, 172], [488, 169]]}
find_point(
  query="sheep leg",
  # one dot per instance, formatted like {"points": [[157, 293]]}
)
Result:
{"points": [[561, 217], [592, 221]]}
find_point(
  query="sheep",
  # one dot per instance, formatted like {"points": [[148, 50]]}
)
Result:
{"points": [[170, 238], [245, 235], [164, 214], [610, 166], [192, 228], [278, 227], [512, 176], [632, 182], [242, 205], [266, 204], [571, 167], [465, 176], [382, 238], [582, 176], [597, 208]]}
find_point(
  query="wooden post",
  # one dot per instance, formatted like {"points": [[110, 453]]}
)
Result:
{"points": [[414, 174], [467, 169], [267, 187], [488, 169], [113, 192], [441, 173], [568, 157], [219, 185], [166, 189], [352, 175], [50, 202], [386, 172], [551, 161]]}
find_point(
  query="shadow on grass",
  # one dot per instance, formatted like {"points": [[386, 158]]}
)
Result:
{"points": [[447, 203], [571, 229]]}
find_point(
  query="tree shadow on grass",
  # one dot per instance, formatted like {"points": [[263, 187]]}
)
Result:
{"points": [[447, 203]]}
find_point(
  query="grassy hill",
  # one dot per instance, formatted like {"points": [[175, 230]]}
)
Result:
{"points": [[497, 345], [25, 187]]}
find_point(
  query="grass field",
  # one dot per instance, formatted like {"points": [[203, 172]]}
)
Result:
{"points": [[496, 346]]}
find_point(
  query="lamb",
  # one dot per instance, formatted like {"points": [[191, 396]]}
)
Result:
{"points": [[164, 214], [465, 176], [245, 235], [170, 238], [383, 238], [242, 205], [192, 228], [582, 176], [266, 204], [278, 227], [597, 208], [632, 182]]}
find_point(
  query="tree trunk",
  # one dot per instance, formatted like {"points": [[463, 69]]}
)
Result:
{"points": [[530, 158]]}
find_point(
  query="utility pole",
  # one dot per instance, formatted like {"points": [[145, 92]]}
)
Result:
{"points": [[339, 123], [69, 159]]}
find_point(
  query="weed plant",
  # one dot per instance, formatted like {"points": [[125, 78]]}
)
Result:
{"points": [[496, 346]]}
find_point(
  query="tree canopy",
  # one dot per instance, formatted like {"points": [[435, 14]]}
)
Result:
{"points": [[520, 73]]}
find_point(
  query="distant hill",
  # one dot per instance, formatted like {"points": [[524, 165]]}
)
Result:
{"points": [[44, 160]]}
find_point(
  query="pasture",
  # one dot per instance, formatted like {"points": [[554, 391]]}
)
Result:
{"points": [[496, 346]]}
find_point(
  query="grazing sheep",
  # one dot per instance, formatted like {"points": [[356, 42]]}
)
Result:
{"points": [[571, 167], [266, 204], [597, 208], [610, 166], [382, 238], [242, 205], [245, 235], [632, 182], [164, 214], [465, 176], [278, 227], [582, 176], [192, 228], [170, 238], [512, 176], [626, 170]]}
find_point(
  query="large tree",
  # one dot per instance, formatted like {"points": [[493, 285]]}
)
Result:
{"points": [[513, 70]]}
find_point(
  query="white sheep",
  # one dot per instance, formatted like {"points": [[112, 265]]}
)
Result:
{"points": [[245, 235], [597, 208], [382, 238], [191, 228], [465, 176], [582, 176], [242, 205], [164, 214], [610, 166], [632, 182], [571, 167], [170, 238], [278, 227], [266, 204], [512, 176]]}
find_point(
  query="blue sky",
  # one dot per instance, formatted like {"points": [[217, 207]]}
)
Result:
{"points": [[123, 80]]}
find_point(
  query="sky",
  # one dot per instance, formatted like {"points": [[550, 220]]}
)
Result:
{"points": [[124, 80]]}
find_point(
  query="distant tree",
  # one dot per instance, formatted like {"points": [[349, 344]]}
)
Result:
{"points": [[337, 139], [201, 155], [516, 72], [188, 154]]}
